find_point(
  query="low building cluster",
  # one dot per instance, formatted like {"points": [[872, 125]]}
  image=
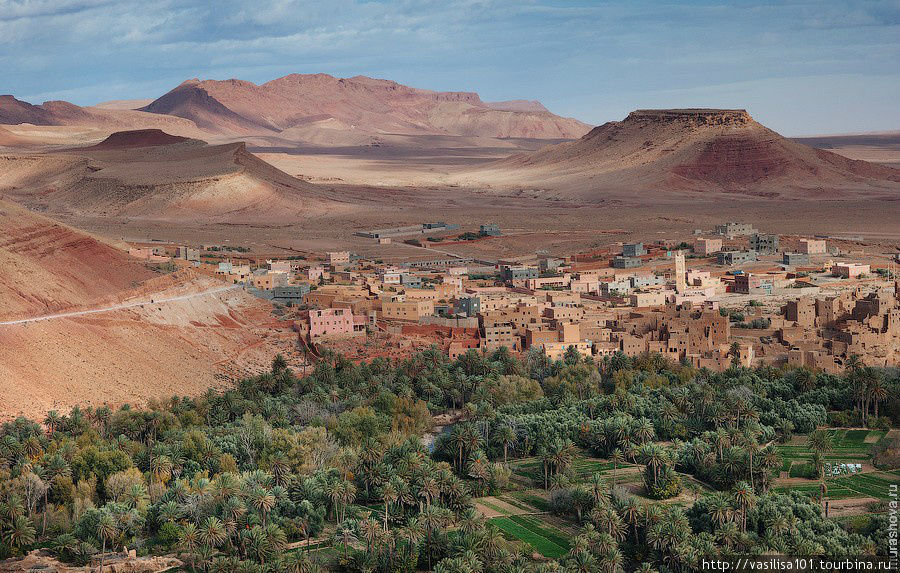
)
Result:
{"points": [[655, 297]]}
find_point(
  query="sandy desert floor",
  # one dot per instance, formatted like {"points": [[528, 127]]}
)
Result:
{"points": [[528, 225], [409, 180]]}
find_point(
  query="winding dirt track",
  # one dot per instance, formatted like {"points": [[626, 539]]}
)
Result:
{"points": [[118, 306]]}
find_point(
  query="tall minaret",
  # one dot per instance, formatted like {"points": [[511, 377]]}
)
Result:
{"points": [[680, 285]]}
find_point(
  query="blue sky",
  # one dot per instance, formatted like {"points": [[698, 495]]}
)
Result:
{"points": [[800, 67]]}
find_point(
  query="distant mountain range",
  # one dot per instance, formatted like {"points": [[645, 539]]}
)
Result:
{"points": [[296, 106]]}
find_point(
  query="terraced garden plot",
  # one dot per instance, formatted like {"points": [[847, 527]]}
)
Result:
{"points": [[493, 506], [531, 499], [875, 485], [520, 504], [545, 529], [834, 491], [850, 445], [548, 541], [804, 453], [855, 436]]}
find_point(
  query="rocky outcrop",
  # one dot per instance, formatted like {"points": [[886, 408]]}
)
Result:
{"points": [[697, 117], [129, 562]]}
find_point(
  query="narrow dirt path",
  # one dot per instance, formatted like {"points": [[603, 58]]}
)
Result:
{"points": [[118, 306]]}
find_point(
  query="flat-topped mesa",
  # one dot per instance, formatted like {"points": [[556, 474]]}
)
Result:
{"points": [[699, 117]]}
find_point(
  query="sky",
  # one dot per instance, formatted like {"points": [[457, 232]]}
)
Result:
{"points": [[799, 67]]}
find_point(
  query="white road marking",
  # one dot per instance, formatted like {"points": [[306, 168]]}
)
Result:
{"points": [[119, 306]]}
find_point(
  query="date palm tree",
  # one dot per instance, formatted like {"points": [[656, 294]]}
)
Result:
{"points": [[631, 514], [301, 563], [345, 536], [389, 494], [213, 532], [719, 509], [598, 488], [616, 457], [53, 422], [107, 530], [56, 468], [743, 496], [582, 562], [19, 533], [412, 534], [877, 391], [432, 519], [507, 438], [819, 441], [262, 501]]}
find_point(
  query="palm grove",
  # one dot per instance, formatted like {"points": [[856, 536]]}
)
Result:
{"points": [[262, 476]]}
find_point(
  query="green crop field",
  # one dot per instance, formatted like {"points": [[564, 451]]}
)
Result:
{"points": [[520, 504], [855, 436], [800, 469], [535, 524], [490, 505], [812, 490], [874, 485], [870, 485], [535, 501], [847, 446], [545, 540]]}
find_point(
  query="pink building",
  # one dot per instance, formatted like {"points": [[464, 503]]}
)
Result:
{"points": [[812, 246], [331, 323], [849, 270]]}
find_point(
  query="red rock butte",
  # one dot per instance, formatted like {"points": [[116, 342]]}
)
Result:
{"points": [[138, 138]]}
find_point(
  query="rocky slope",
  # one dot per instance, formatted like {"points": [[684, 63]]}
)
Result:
{"points": [[49, 267], [117, 356], [152, 175]]}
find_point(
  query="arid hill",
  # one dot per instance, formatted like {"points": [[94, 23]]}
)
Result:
{"points": [[657, 151], [131, 351], [358, 103], [152, 175], [15, 112], [48, 267]]}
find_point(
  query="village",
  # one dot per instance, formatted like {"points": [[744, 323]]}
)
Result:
{"points": [[732, 295]]}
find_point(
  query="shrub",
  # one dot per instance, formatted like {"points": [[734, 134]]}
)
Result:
{"points": [[668, 483]]}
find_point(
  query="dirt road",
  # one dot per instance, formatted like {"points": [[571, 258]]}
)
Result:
{"points": [[119, 306]]}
